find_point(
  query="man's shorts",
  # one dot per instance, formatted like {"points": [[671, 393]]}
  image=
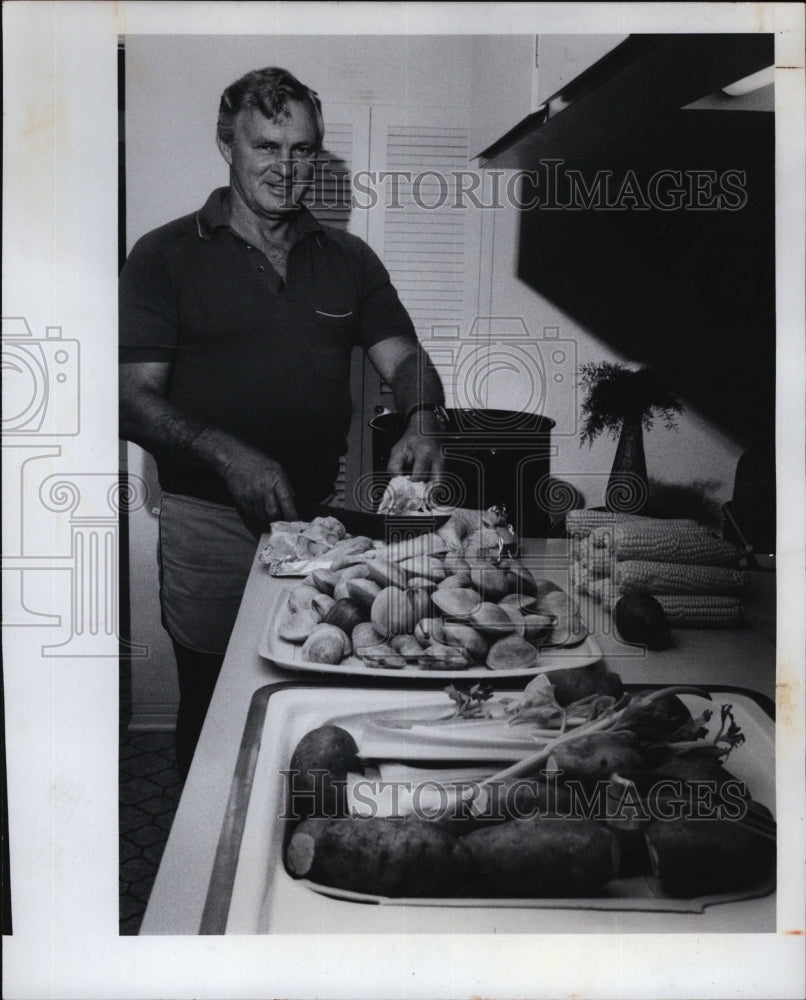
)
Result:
{"points": [[205, 554]]}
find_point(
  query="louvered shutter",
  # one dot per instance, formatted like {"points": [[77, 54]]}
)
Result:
{"points": [[424, 227]]}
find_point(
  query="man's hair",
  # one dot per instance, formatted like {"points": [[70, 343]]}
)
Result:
{"points": [[269, 90]]}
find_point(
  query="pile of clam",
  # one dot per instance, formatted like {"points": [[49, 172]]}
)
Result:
{"points": [[435, 602]]}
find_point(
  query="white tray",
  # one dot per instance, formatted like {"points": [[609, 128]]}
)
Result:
{"points": [[251, 892], [289, 656]]}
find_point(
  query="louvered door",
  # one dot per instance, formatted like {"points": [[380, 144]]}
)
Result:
{"points": [[425, 228]]}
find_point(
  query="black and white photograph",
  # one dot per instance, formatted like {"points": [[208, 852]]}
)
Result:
{"points": [[403, 500]]}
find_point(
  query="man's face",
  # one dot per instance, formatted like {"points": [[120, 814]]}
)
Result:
{"points": [[272, 161]]}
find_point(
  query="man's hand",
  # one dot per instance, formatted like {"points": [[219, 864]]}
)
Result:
{"points": [[418, 451], [259, 487]]}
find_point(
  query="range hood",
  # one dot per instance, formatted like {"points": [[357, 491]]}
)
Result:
{"points": [[635, 91]]}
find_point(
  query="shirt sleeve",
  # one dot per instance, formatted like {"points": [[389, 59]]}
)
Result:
{"points": [[148, 322], [383, 315]]}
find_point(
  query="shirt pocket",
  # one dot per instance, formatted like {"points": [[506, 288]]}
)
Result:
{"points": [[336, 322]]}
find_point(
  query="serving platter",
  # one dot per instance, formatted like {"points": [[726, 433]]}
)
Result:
{"points": [[288, 655], [252, 893]]}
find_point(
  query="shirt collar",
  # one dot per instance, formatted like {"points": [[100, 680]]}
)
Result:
{"points": [[213, 216]]}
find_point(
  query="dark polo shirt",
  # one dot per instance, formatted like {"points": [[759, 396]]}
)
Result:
{"points": [[266, 360]]}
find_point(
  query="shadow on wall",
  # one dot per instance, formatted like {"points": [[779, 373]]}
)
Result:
{"points": [[694, 500]]}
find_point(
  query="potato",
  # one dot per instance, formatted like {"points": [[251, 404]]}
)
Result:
{"points": [[698, 857], [580, 682], [541, 857], [384, 857], [596, 757], [318, 772]]}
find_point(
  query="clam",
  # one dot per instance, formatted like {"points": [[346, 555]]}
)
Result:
{"points": [[355, 572], [461, 578], [365, 634], [324, 580], [520, 579], [326, 644], [429, 630], [536, 627], [296, 626], [406, 645], [492, 619], [512, 652], [490, 582], [300, 598], [454, 562], [392, 612], [423, 583], [420, 600], [472, 641], [457, 602], [322, 604], [430, 567], [345, 615], [385, 573], [381, 655], [340, 591], [363, 592], [522, 602], [441, 657]]}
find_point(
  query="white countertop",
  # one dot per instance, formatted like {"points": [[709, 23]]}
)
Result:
{"points": [[741, 657]]}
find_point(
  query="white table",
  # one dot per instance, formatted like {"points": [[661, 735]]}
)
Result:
{"points": [[741, 658]]}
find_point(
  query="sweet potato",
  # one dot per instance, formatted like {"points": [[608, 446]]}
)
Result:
{"points": [[541, 857], [318, 772], [383, 857]]}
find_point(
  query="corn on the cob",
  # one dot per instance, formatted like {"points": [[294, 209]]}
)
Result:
{"points": [[582, 522], [661, 543], [673, 578], [693, 611]]}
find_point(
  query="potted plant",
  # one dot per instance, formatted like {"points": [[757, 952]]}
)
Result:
{"points": [[624, 403]]}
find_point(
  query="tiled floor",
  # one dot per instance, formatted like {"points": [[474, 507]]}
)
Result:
{"points": [[149, 790]]}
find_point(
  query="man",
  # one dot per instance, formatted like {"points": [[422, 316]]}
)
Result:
{"points": [[236, 328]]}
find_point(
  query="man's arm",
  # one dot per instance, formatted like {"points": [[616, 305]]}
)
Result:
{"points": [[257, 483], [405, 366]]}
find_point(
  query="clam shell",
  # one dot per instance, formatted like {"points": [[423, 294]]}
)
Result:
{"points": [[322, 604], [324, 580], [461, 578], [363, 592], [454, 562], [392, 612], [326, 644], [457, 602], [385, 573], [472, 641], [428, 566], [296, 626], [441, 657], [406, 645], [429, 630], [345, 614], [420, 600], [490, 582], [357, 571], [382, 655], [365, 634], [492, 619], [300, 598], [512, 652], [423, 583], [524, 603]]}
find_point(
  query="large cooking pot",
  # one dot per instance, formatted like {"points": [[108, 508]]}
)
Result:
{"points": [[491, 457]]}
